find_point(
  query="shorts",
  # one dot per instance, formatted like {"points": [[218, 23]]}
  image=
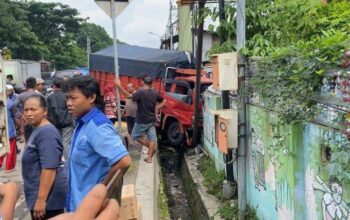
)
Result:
{"points": [[140, 129]]}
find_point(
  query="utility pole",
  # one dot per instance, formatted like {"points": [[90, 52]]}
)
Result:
{"points": [[242, 129], [171, 25], [116, 62], [88, 50], [201, 4], [226, 105]]}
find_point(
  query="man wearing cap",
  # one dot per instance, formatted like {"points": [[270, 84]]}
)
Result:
{"points": [[148, 103], [40, 85]]}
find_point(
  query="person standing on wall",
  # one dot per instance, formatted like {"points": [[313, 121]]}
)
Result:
{"points": [[148, 103], [97, 151], [58, 114]]}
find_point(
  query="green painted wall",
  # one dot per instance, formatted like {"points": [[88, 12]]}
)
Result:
{"points": [[288, 177], [289, 174]]}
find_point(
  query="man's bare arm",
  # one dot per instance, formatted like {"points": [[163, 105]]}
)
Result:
{"points": [[121, 89], [160, 105]]}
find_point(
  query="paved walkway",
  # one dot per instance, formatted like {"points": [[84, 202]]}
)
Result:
{"points": [[143, 175]]}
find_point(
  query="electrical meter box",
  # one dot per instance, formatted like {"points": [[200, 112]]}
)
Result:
{"points": [[226, 129], [225, 71]]}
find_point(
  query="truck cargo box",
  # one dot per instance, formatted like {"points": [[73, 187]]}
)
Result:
{"points": [[135, 60]]}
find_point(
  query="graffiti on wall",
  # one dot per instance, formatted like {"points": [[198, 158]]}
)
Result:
{"points": [[258, 152], [284, 200], [265, 161], [333, 205]]}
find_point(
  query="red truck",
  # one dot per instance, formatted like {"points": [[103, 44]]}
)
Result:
{"points": [[175, 84]]}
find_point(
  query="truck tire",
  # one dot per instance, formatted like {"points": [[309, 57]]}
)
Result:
{"points": [[173, 134]]}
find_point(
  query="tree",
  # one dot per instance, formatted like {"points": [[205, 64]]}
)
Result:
{"points": [[282, 23], [16, 32], [99, 38], [36, 30], [51, 21]]}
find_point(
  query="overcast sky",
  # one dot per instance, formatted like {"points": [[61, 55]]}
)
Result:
{"points": [[133, 25]]}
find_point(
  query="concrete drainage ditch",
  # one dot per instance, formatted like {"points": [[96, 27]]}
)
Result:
{"points": [[187, 198]]}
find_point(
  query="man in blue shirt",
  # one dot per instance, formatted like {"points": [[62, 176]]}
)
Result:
{"points": [[97, 151]]}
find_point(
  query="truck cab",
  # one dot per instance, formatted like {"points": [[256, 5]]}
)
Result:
{"points": [[176, 119]]}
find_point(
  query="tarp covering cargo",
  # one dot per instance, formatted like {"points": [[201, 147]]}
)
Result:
{"points": [[137, 61]]}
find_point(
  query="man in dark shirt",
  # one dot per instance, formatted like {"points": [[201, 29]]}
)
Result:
{"points": [[148, 103], [59, 116], [30, 85]]}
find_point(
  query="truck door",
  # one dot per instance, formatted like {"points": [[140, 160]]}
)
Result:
{"points": [[179, 109], [178, 95]]}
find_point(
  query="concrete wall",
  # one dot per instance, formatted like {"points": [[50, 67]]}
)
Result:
{"points": [[288, 175], [212, 101]]}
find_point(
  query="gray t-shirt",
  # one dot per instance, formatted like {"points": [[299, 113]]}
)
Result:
{"points": [[130, 108], [44, 151], [23, 96]]}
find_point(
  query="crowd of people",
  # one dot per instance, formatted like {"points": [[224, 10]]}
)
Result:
{"points": [[72, 149]]}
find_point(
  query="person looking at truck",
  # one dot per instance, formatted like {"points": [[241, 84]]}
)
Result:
{"points": [[130, 110], [97, 151], [148, 103]]}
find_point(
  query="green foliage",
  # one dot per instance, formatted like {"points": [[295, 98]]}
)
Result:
{"points": [[36, 30], [212, 179], [228, 211], [53, 19], [226, 28], [226, 47], [267, 27], [338, 160], [99, 38], [213, 182], [250, 214], [163, 208], [291, 75], [16, 33]]}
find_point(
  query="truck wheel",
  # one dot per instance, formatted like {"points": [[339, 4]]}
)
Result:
{"points": [[173, 133]]}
